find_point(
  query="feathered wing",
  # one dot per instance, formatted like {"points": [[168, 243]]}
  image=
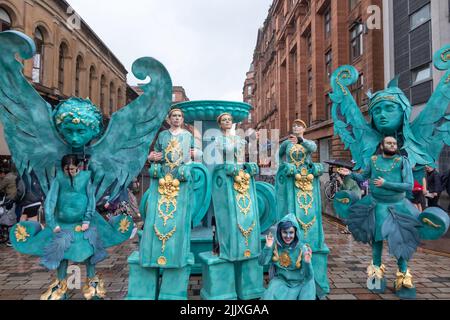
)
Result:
{"points": [[432, 127], [349, 123], [27, 118], [120, 154]]}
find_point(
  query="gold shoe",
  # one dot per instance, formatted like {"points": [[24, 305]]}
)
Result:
{"points": [[404, 280], [94, 288], [376, 272], [56, 291]]}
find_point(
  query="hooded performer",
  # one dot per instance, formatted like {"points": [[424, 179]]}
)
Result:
{"points": [[291, 272]]}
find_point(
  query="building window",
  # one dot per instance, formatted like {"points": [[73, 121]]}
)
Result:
{"points": [[39, 56], [327, 17], [102, 93], [357, 90], [420, 17], [421, 74], [91, 81], [111, 98], [79, 65], [309, 44], [310, 115], [119, 98], [5, 20], [357, 41], [328, 107], [61, 64], [249, 90], [310, 82], [329, 63], [174, 97]]}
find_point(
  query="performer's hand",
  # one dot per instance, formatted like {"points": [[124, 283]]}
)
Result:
{"points": [[85, 227], [308, 254], [57, 229], [293, 139], [155, 156], [269, 240], [344, 171], [379, 182]]}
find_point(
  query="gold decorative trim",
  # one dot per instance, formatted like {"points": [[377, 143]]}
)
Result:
{"points": [[246, 233], [173, 148], [242, 186], [285, 260], [306, 226], [168, 189], [344, 74], [164, 237], [162, 261], [124, 225], [21, 233], [344, 201], [431, 223], [396, 160], [295, 153]]}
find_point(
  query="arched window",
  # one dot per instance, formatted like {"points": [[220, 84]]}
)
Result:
{"points": [[79, 66], [91, 82], [119, 98], [111, 98], [5, 20], [102, 92], [63, 50], [38, 59]]}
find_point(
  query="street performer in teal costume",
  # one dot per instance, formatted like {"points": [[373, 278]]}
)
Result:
{"points": [[167, 209], [386, 213], [298, 192], [291, 271], [102, 161]]}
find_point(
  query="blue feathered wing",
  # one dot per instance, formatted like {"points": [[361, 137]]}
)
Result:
{"points": [[119, 156], [349, 123], [27, 118]]}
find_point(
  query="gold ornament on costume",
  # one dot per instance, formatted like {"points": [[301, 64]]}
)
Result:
{"points": [[56, 290], [285, 260], [173, 151], [298, 263], [306, 226], [168, 189], [21, 233], [396, 160], [344, 201], [242, 185], [94, 288], [431, 223], [404, 280], [305, 195], [78, 229], [275, 257], [124, 225], [246, 233], [247, 253], [162, 261], [164, 237], [376, 272], [344, 74], [298, 152]]}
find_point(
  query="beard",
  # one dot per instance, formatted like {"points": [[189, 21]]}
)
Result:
{"points": [[389, 153]]}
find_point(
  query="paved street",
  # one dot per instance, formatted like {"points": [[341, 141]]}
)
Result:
{"points": [[22, 278]]}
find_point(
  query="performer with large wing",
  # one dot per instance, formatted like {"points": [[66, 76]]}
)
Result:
{"points": [[39, 137], [386, 214]]}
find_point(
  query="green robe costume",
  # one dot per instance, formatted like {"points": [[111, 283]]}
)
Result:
{"points": [[293, 278], [298, 192]]}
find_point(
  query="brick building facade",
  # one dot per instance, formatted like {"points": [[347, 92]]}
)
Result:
{"points": [[300, 44]]}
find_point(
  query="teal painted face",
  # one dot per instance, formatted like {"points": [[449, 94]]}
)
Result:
{"points": [[77, 135], [387, 117]]}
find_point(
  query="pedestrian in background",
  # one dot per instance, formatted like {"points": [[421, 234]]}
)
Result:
{"points": [[434, 186]]}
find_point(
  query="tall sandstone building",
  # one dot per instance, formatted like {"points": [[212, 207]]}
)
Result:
{"points": [[299, 46]]}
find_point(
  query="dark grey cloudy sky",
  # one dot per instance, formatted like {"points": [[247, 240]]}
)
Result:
{"points": [[207, 45]]}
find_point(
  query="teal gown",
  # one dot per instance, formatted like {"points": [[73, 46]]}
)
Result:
{"points": [[298, 192], [237, 218], [69, 204], [167, 209], [293, 278]]}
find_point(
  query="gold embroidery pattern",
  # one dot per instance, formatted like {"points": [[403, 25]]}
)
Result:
{"points": [[174, 149], [306, 226], [296, 152], [242, 185], [344, 74], [21, 234], [124, 225], [396, 160], [285, 260], [298, 264], [344, 201], [164, 237], [168, 189], [246, 233], [305, 195]]}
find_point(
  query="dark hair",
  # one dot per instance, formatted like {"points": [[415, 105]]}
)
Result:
{"points": [[285, 225], [67, 160], [381, 145]]}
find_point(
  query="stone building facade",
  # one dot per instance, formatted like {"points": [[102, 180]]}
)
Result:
{"points": [[71, 60], [299, 46]]}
